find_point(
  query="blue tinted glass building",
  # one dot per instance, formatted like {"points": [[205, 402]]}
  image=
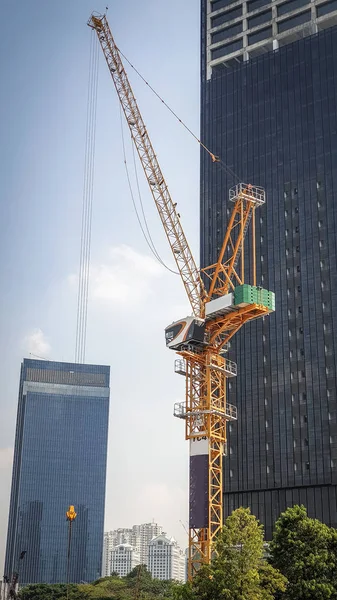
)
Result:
{"points": [[59, 459], [268, 109]]}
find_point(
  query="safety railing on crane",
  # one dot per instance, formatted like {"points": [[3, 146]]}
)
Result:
{"points": [[180, 411]]}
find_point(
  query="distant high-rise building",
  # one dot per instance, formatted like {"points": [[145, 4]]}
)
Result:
{"points": [[165, 559], [139, 537], [112, 539], [268, 109], [124, 558], [143, 534], [59, 459]]}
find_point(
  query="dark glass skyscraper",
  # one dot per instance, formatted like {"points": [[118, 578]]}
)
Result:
{"points": [[59, 459], [268, 109]]}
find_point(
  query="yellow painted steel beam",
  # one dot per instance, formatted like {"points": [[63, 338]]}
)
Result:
{"points": [[182, 254]]}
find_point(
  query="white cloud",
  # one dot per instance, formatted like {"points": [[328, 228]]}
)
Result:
{"points": [[36, 343], [126, 278]]}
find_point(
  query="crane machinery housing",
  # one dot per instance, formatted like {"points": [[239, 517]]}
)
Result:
{"points": [[221, 303]]}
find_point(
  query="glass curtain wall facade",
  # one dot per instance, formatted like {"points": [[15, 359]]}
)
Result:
{"points": [[59, 459], [273, 121]]}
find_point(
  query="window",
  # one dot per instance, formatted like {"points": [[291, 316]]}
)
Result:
{"points": [[227, 49], [326, 8], [262, 34], [224, 34], [268, 470], [220, 4], [254, 4], [227, 16], [282, 9], [259, 19]]}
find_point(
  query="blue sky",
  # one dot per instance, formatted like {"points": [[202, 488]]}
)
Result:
{"points": [[44, 58]]}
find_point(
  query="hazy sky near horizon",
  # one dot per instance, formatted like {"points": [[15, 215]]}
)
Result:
{"points": [[44, 61]]}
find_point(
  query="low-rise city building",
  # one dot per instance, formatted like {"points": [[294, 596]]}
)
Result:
{"points": [[124, 558], [165, 559]]}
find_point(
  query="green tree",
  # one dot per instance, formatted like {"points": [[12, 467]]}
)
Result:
{"points": [[305, 551], [107, 588], [238, 570]]}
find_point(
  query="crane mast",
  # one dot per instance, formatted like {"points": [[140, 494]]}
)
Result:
{"points": [[220, 308]]}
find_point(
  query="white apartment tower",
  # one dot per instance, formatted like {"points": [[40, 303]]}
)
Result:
{"points": [[139, 537], [165, 559], [124, 558], [143, 534]]}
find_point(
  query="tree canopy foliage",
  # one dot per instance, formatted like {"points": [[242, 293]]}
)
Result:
{"points": [[305, 551], [238, 570], [125, 588], [301, 564]]}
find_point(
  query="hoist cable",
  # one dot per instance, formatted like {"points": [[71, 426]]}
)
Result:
{"points": [[88, 183], [149, 240], [215, 159]]}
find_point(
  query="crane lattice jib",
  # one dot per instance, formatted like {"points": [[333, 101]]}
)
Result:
{"points": [[181, 251]]}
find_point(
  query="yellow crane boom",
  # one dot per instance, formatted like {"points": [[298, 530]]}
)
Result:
{"points": [[181, 251], [220, 309]]}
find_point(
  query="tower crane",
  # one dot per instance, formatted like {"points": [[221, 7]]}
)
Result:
{"points": [[221, 303]]}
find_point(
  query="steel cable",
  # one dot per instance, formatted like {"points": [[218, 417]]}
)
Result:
{"points": [[88, 188]]}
